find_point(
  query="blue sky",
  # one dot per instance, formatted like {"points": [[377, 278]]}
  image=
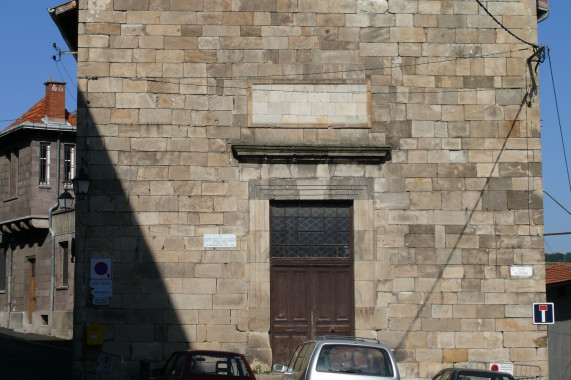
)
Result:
{"points": [[27, 34]]}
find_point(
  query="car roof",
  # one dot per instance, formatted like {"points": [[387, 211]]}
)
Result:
{"points": [[342, 339], [210, 352]]}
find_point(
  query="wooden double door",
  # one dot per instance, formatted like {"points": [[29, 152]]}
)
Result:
{"points": [[308, 301], [311, 278]]}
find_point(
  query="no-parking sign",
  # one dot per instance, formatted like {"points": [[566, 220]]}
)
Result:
{"points": [[100, 269], [502, 367]]}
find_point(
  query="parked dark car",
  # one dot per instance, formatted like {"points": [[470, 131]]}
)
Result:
{"points": [[206, 365], [471, 374]]}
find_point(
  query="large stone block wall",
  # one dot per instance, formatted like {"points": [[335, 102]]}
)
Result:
{"points": [[164, 88]]}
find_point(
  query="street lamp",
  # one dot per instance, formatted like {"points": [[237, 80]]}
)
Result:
{"points": [[80, 184], [65, 200]]}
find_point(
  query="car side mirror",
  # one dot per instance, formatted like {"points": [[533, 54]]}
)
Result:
{"points": [[280, 368]]}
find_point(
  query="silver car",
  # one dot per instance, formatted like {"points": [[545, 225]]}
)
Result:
{"points": [[340, 358]]}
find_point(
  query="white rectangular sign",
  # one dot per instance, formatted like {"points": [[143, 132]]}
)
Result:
{"points": [[101, 283], [100, 301], [102, 292], [219, 240], [521, 271], [502, 367]]}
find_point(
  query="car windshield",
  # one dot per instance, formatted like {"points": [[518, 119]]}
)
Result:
{"points": [[218, 364], [353, 359]]}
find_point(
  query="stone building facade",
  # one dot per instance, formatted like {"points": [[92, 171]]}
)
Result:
{"points": [[36, 265], [268, 170]]}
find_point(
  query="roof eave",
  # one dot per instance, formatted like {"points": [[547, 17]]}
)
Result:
{"points": [[26, 125], [65, 16]]}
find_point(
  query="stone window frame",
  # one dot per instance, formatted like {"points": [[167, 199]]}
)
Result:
{"points": [[13, 174], [68, 164], [44, 164], [62, 275], [3, 269]]}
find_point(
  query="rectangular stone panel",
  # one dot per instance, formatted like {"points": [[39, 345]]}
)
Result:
{"points": [[309, 104]]}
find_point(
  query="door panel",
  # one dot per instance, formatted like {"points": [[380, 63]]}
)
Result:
{"points": [[333, 298], [309, 301]]}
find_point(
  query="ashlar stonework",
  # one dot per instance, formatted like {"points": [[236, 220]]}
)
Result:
{"points": [[168, 88]]}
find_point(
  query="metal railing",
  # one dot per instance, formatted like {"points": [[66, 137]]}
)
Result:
{"points": [[520, 371]]}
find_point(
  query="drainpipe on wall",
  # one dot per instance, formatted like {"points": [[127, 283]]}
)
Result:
{"points": [[10, 255], [52, 233]]}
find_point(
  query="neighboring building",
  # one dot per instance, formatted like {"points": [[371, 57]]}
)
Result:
{"points": [[264, 171], [558, 280], [36, 238]]}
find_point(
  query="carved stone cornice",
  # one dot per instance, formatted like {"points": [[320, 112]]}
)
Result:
{"points": [[311, 154]]}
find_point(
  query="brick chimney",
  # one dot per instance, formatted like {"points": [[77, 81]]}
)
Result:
{"points": [[55, 100]]}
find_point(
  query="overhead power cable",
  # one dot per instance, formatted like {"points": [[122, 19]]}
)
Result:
{"points": [[63, 80], [555, 200], [290, 75], [559, 119], [548, 246], [504, 28]]}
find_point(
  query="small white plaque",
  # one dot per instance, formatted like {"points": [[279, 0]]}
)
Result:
{"points": [[521, 271], [102, 292], [101, 283], [100, 301], [219, 240]]}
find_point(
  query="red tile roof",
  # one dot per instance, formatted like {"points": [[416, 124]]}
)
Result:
{"points": [[37, 112], [558, 273]]}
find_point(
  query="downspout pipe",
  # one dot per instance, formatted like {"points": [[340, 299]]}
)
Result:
{"points": [[10, 260], [52, 233]]}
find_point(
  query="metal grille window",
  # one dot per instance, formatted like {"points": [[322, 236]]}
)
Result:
{"points": [[44, 164], [68, 162], [313, 229]]}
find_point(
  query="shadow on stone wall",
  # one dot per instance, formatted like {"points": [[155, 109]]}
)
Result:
{"points": [[119, 219], [485, 200]]}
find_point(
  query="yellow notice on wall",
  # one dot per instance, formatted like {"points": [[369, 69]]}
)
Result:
{"points": [[94, 334]]}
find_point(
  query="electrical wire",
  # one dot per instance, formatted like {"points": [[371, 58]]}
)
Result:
{"points": [[555, 200], [359, 70], [63, 80], [69, 76], [548, 246], [504, 28], [559, 119]]}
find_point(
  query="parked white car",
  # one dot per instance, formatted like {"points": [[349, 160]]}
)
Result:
{"points": [[340, 358]]}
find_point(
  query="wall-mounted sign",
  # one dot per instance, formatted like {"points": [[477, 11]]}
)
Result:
{"points": [[100, 301], [521, 271], [219, 240], [100, 269], [543, 313], [502, 367], [101, 283], [102, 292]]}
